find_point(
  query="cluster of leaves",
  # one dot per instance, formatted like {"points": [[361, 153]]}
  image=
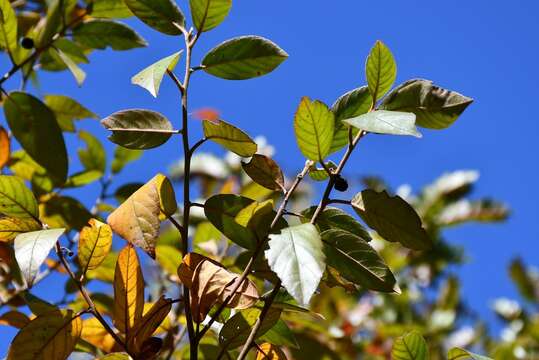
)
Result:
{"points": [[240, 240]]}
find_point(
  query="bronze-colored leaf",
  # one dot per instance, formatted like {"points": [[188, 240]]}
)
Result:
{"points": [[94, 333], [149, 323], [269, 351], [128, 292], [14, 318], [265, 172], [4, 147]]}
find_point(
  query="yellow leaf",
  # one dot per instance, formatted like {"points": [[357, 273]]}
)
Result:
{"points": [[149, 323], [128, 292], [11, 227], [51, 336], [211, 283], [247, 213], [14, 318], [137, 219], [268, 351], [94, 333], [95, 241]]}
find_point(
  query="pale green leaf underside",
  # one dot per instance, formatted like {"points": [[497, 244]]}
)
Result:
{"points": [[314, 126], [150, 78], [296, 256], [386, 122], [31, 250], [243, 57]]}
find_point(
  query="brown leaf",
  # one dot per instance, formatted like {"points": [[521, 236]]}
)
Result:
{"points": [[149, 323], [14, 318], [128, 292], [265, 172], [211, 283], [138, 218], [51, 336], [4, 147]]}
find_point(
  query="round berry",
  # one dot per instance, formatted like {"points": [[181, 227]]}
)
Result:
{"points": [[341, 184], [27, 43]]}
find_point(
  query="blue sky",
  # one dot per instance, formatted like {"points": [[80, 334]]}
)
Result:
{"points": [[487, 50]]}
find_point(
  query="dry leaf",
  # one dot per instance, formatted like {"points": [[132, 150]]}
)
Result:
{"points": [[138, 218], [14, 318], [211, 283], [128, 292], [51, 336]]}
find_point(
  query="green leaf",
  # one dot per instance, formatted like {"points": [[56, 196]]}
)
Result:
{"points": [[434, 107], [527, 287], [230, 137], [16, 200], [82, 178], [357, 261], [411, 346], [31, 250], [10, 227], [100, 33], [381, 70], [222, 209], [386, 122], [51, 61], [34, 125], [77, 72], [281, 335], [335, 218], [207, 14], [122, 157], [150, 78], [296, 256], [237, 329], [462, 354], [8, 29], [125, 191], [110, 9], [244, 57], [392, 218], [169, 258], [314, 127], [265, 172], [138, 129], [162, 15], [64, 212], [94, 156], [67, 110], [354, 103]]}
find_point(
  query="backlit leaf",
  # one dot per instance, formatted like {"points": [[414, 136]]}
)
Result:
{"points": [[335, 218], [5, 147], [95, 241], [31, 250], [269, 351], [67, 110], [280, 334], [82, 178], [386, 122], [392, 218], [162, 15], [16, 200], [357, 261], [8, 29], [110, 9], [122, 157], [51, 336], [462, 354], [381, 70], [101, 33], [77, 72], [230, 137], [34, 125], [264, 171], [296, 256], [64, 212], [11, 227], [94, 333], [14, 318], [319, 173], [207, 14], [150, 78], [115, 356], [243, 57], [354, 103], [434, 107], [411, 346], [94, 156], [237, 329], [314, 125], [150, 322], [138, 129], [137, 219], [221, 210], [128, 292], [528, 287]]}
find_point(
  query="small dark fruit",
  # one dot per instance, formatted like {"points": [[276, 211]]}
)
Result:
{"points": [[340, 183], [27, 43]]}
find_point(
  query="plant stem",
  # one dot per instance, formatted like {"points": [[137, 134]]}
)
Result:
{"points": [[257, 250], [321, 206]]}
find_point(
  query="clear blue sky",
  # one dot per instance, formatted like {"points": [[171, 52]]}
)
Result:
{"points": [[484, 49]]}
